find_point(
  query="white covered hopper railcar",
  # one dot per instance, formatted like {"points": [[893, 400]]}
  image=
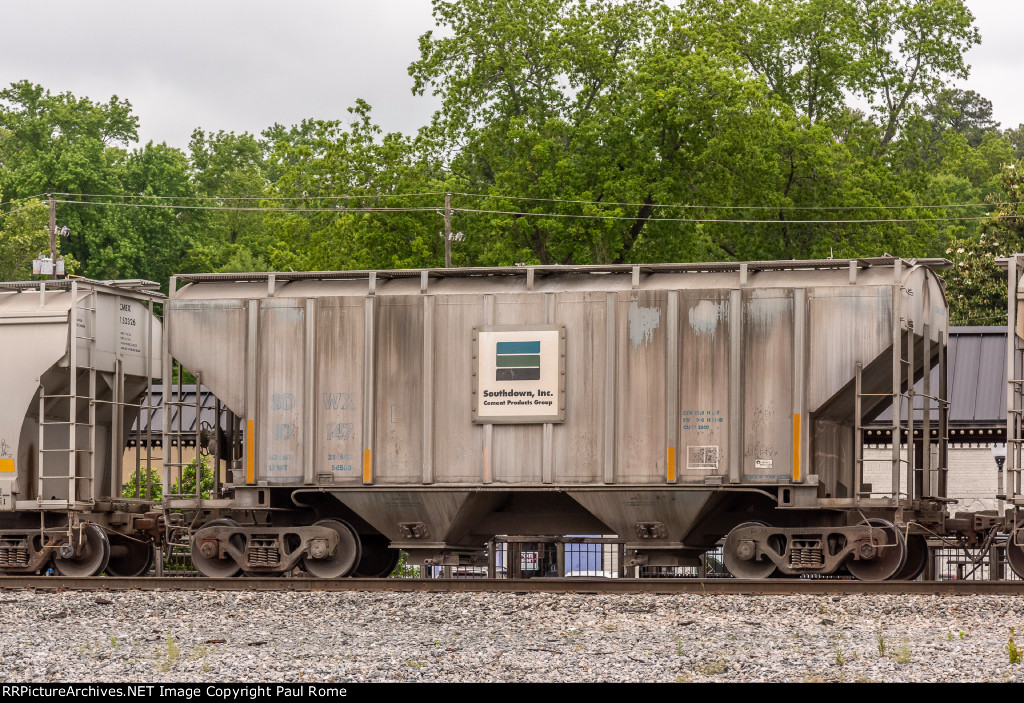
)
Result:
{"points": [[667, 404], [77, 359]]}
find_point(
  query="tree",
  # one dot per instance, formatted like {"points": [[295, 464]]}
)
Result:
{"points": [[806, 51], [1016, 139], [976, 291], [314, 229], [164, 239], [651, 125], [63, 144], [815, 53], [229, 172], [144, 483], [964, 111], [23, 236], [187, 485], [911, 48]]}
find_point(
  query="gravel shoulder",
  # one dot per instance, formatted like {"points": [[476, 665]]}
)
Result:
{"points": [[475, 637]]}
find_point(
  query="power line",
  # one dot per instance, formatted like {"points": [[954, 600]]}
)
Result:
{"points": [[27, 197], [732, 207], [542, 200], [249, 197], [738, 221], [19, 209], [172, 206]]}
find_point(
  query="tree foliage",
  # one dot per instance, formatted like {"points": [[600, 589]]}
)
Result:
{"points": [[374, 171], [977, 285], [148, 483], [23, 236]]}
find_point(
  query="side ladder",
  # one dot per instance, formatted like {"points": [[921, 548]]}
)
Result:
{"points": [[80, 488]]}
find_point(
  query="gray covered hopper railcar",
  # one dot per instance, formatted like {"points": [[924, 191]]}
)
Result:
{"points": [[667, 404], [77, 358]]}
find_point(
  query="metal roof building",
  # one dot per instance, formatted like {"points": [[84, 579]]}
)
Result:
{"points": [[150, 425], [977, 389]]}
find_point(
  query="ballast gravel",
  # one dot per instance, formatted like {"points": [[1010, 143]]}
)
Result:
{"points": [[490, 637]]}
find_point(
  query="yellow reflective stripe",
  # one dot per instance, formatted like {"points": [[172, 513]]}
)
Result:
{"points": [[796, 447], [367, 475], [250, 443], [7, 466], [671, 463]]}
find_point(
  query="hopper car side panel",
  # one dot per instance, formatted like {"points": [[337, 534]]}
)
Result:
{"points": [[691, 401]]}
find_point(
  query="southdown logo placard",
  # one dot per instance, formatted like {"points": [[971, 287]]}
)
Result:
{"points": [[520, 374]]}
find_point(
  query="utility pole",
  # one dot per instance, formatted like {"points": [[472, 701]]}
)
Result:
{"points": [[447, 230], [53, 236]]}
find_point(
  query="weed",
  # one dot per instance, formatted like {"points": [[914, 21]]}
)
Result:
{"points": [[712, 668], [840, 659], [679, 647], [949, 637], [165, 662], [113, 642], [961, 634], [881, 643], [902, 653], [173, 651], [1013, 650], [414, 664], [683, 679]]}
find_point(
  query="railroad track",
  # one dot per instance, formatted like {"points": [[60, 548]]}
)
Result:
{"points": [[534, 585]]}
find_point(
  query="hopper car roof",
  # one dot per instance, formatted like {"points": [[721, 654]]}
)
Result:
{"points": [[722, 266]]}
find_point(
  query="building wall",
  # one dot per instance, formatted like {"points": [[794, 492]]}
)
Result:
{"points": [[972, 478]]}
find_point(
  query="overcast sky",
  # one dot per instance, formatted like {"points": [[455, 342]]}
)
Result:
{"points": [[244, 65]]}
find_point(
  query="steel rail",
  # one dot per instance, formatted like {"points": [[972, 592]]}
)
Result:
{"points": [[534, 585]]}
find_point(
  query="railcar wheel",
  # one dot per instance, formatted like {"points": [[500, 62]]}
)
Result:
{"points": [[887, 562], [93, 553], [129, 557], [917, 558], [378, 559], [1015, 552], [215, 567], [345, 557], [740, 560]]}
